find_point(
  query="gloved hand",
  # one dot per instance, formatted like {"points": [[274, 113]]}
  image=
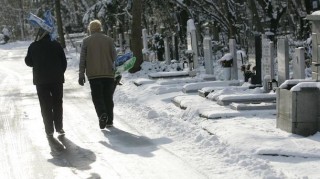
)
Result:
{"points": [[81, 80]]}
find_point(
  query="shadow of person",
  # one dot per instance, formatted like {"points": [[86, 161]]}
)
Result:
{"points": [[55, 146], [73, 156], [129, 143]]}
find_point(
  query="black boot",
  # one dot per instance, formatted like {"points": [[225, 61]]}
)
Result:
{"points": [[103, 121]]}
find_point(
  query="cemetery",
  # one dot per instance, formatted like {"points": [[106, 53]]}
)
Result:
{"points": [[242, 90], [160, 89]]}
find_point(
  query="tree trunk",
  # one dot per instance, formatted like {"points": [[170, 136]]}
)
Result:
{"points": [[59, 23], [255, 16], [136, 44]]}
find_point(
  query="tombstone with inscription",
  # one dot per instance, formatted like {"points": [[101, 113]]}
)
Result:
{"points": [[267, 61]]}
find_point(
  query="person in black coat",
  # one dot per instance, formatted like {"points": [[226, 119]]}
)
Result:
{"points": [[48, 62]]}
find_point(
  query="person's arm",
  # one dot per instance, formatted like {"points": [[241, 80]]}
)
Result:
{"points": [[64, 60], [82, 64], [28, 59], [83, 55]]}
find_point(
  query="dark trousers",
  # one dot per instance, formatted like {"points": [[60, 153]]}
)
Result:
{"points": [[102, 96], [50, 98]]}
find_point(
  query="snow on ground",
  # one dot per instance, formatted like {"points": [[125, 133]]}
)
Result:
{"points": [[245, 146]]}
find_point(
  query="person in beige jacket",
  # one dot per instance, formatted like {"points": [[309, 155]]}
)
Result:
{"points": [[97, 58]]}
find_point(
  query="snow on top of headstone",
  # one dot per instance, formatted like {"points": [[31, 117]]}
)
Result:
{"points": [[287, 83], [226, 57], [190, 25], [305, 85], [269, 33], [316, 13], [241, 52]]}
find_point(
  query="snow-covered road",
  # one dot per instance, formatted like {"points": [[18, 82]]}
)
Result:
{"points": [[120, 152], [152, 138]]}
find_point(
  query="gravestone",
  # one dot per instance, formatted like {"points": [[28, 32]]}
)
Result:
{"points": [[283, 60], [127, 39], [258, 57], [207, 50], [114, 33], [189, 52], [121, 42], [191, 31], [315, 20], [233, 51], [267, 63], [144, 39], [166, 51], [145, 45], [298, 102], [298, 64]]}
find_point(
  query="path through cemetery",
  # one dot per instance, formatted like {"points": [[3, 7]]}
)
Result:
{"points": [[121, 152], [152, 138]]}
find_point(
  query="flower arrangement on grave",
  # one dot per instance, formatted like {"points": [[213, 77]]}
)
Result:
{"points": [[226, 61]]}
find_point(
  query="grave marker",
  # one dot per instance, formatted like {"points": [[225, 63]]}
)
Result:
{"points": [[207, 50], [191, 30], [233, 51], [283, 60], [298, 64]]}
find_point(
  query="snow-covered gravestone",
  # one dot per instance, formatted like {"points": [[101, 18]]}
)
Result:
{"points": [[226, 63], [267, 59], [283, 60], [191, 34], [207, 50], [298, 64]]}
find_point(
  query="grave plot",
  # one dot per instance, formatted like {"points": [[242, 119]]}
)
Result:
{"points": [[211, 110], [195, 87], [246, 98], [218, 114]]}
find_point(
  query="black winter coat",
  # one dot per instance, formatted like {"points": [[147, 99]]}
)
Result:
{"points": [[48, 61]]}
